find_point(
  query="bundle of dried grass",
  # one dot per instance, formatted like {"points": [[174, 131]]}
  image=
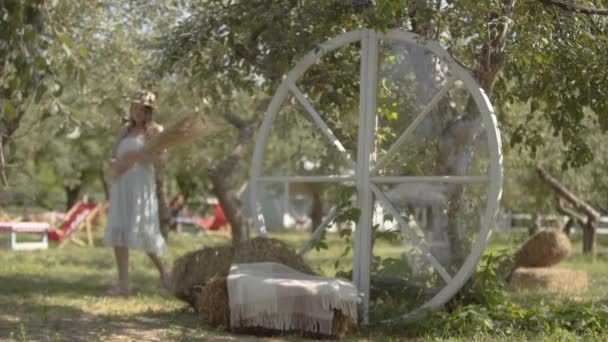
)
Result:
{"points": [[545, 248], [186, 129], [199, 267], [263, 249], [549, 279], [213, 307], [212, 302]]}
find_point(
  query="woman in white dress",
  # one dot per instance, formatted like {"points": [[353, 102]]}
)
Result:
{"points": [[133, 221]]}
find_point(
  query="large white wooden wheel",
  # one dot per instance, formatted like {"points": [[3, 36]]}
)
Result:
{"points": [[418, 193]]}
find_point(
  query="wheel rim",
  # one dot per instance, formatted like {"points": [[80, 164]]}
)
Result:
{"points": [[493, 179]]}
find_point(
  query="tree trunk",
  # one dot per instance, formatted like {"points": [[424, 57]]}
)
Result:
{"points": [[164, 214], [316, 212], [568, 226], [105, 185], [589, 234], [220, 173], [534, 225], [71, 195]]}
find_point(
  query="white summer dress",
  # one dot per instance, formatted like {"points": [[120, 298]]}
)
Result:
{"points": [[133, 216]]}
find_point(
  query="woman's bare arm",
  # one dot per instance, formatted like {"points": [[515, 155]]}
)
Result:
{"points": [[118, 166]]}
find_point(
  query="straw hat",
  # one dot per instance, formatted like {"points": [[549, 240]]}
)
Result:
{"points": [[143, 97]]}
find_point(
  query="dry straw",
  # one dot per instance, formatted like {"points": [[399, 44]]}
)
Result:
{"points": [[212, 302], [213, 307], [545, 248], [200, 279], [199, 267], [549, 279], [184, 130]]}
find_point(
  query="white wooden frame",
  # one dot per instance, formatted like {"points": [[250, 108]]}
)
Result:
{"points": [[365, 168]]}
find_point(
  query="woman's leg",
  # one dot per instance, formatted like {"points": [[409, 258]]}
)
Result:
{"points": [[165, 277], [122, 263]]}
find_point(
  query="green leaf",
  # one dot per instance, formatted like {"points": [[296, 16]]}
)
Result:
{"points": [[83, 52], [9, 111], [66, 40], [40, 63]]}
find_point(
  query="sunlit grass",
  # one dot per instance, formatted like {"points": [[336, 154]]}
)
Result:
{"points": [[51, 294]]}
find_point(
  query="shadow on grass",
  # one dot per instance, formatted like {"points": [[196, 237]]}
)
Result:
{"points": [[24, 285], [42, 322]]}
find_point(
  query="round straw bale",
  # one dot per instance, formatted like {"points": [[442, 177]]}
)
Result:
{"points": [[263, 250], [199, 267], [548, 279], [545, 248], [213, 307], [212, 302]]}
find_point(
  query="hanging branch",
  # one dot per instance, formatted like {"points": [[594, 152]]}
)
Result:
{"points": [[566, 6], [2, 162], [593, 216], [567, 195]]}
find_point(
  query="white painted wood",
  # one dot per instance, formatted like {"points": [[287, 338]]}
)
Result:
{"points": [[412, 127], [365, 159], [429, 179], [411, 234], [318, 231], [306, 179], [324, 128], [365, 183]]}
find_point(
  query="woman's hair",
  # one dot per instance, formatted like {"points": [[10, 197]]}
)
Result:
{"points": [[147, 120]]}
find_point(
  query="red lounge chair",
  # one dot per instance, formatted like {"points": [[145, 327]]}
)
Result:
{"points": [[216, 222], [78, 217]]}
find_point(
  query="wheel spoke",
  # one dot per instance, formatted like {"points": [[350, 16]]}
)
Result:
{"points": [[319, 231], [417, 121], [324, 128], [430, 179], [407, 230], [306, 179]]}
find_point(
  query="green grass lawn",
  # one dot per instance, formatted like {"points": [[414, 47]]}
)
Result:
{"points": [[60, 295]]}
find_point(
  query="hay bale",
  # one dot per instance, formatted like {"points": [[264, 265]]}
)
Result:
{"points": [[265, 250], [549, 279], [545, 248], [212, 302], [199, 267], [213, 307]]}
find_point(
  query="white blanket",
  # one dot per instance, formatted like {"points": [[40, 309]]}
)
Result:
{"points": [[274, 296]]}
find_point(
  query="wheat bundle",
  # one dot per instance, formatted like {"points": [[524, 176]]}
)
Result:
{"points": [[212, 302], [186, 129], [213, 307], [545, 248], [548, 279], [199, 267]]}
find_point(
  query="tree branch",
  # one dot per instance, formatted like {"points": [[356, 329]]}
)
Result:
{"points": [[2, 162], [566, 6], [567, 195], [561, 208]]}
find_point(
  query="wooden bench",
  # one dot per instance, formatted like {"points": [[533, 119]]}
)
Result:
{"points": [[14, 228]]}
